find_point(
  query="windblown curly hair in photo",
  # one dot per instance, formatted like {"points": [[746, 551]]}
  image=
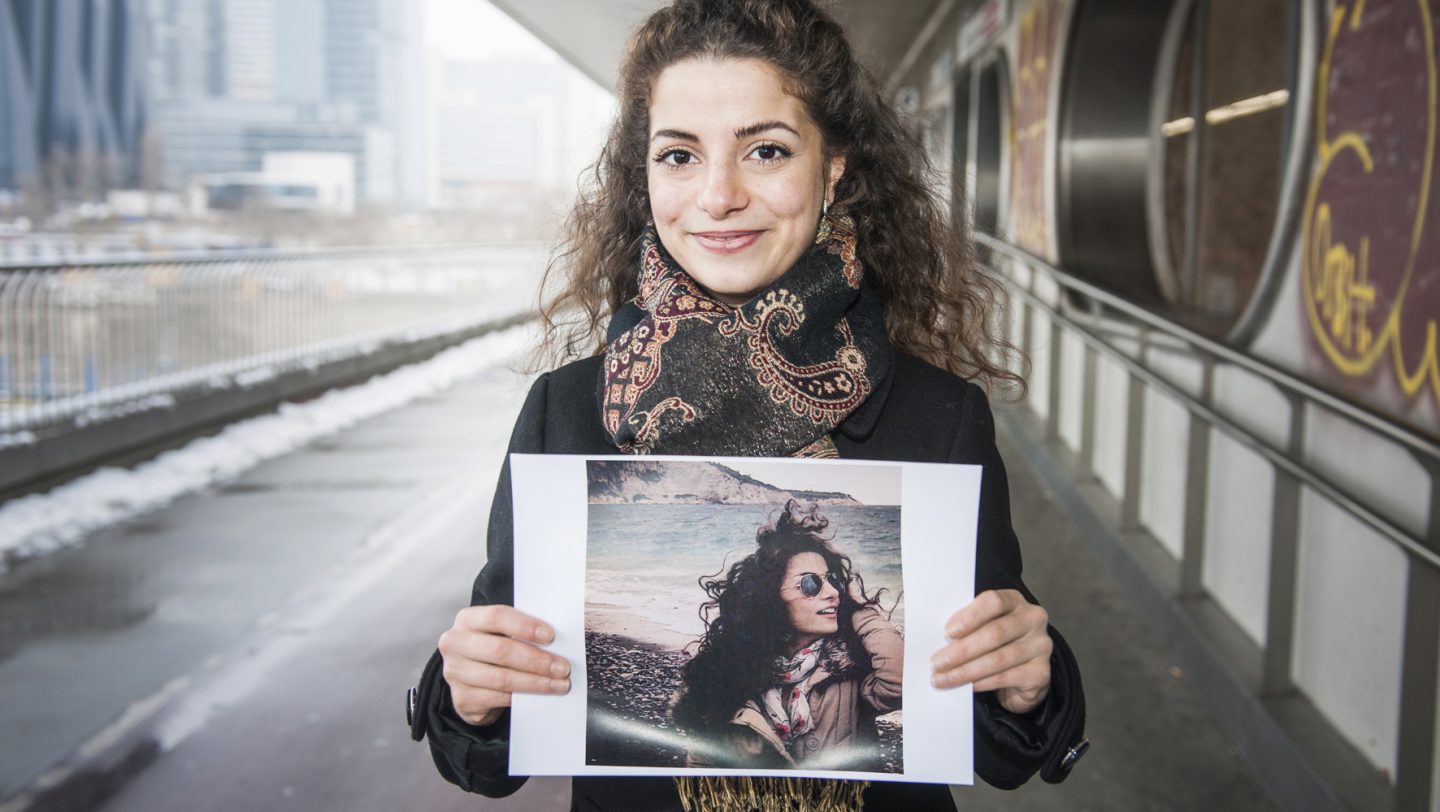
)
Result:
{"points": [[937, 304], [747, 626]]}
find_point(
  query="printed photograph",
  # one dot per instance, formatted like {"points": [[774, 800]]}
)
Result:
{"points": [[744, 615]]}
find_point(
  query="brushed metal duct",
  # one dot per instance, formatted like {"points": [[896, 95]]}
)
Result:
{"points": [[962, 204], [1105, 142], [991, 92]]}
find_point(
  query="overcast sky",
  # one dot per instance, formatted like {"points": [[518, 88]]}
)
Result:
{"points": [[474, 29]]}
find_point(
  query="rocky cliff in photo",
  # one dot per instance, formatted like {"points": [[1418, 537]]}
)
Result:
{"points": [[690, 483]]}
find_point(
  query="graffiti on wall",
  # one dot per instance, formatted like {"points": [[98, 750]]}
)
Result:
{"points": [[1038, 29], [1371, 252]]}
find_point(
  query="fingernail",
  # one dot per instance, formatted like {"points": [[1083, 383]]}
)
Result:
{"points": [[559, 668], [560, 686], [543, 634]]}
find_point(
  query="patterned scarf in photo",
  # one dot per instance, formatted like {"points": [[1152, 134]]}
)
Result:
{"points": [[789, 710]]}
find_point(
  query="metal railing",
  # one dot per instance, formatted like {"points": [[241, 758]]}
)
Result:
{"points": [[81, 341], [1144, 332]]}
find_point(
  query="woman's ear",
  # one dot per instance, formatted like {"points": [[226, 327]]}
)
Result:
{"points": [[834, 173]]}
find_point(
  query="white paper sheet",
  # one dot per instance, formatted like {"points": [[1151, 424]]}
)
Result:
{"points": [[939, 508]]}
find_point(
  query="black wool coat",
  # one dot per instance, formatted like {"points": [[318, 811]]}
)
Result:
{"points": [[920, 414]]}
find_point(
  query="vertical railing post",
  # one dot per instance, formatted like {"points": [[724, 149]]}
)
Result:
{"points": [[1029, 310], [1197, 485], [1284, 562], [1087, 398], [998, 267], [1052, 420], [1420, 669], [1134, 437]]}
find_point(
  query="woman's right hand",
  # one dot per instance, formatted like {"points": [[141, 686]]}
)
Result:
{"points": [[493, 652]]}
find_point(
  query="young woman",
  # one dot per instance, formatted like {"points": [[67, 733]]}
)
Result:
{"points": [[761, 269], [796, 661]]}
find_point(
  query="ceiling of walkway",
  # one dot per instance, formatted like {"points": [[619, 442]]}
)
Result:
{"points": [[590, 34]]}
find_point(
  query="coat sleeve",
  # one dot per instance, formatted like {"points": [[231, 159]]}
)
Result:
{"points": [[477, 758], [1010, 747], [882, 688]]}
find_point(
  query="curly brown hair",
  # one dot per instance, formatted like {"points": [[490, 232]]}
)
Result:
{"points": [[936, 302], [747, 627]]}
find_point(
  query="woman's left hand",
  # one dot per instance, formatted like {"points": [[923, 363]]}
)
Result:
{"points": [[1000, 643]]}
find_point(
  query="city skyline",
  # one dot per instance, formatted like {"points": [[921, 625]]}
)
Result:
{"points": [[214, 87]]}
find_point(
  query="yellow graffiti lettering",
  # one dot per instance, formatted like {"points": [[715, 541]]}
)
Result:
{"points": [[1342, 290], [1340, 297]]}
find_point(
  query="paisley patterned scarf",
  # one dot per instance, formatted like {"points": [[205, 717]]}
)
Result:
{"points": [[686, 373]]}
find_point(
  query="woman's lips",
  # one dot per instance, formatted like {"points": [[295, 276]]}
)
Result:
{"points": [[828, 611], [726, 242]]}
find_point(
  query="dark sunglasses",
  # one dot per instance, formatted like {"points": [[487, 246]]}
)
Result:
{"points": [[810, 583]]}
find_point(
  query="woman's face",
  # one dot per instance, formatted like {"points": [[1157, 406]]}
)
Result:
{"points": [[811, 616], [737, 174]]}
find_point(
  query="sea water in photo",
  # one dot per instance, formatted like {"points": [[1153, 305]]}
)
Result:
{"points": [[645, 561]]}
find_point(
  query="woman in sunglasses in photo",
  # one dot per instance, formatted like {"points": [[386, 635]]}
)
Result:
{"points": [[760, 267], [796, 662]]}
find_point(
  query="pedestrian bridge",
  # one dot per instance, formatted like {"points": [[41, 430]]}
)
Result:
{"points": [[195, 579]]}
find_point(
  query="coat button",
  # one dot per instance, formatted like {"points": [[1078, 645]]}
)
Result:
{"points": [[812, 743]]}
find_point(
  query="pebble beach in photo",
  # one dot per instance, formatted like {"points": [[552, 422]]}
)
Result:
{"points": [[631, 687]]}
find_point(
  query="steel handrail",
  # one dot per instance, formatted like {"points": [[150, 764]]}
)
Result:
{"points": [[1397, 535], [1415, 442], [85, 341], [206, 257]]}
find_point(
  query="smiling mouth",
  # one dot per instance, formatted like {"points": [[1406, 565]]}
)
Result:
{"points": [[830, 612], [726, 242]]}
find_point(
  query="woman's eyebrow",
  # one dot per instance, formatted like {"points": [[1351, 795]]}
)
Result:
{"points": [[762, 126], [744, 132], [679, 135]]}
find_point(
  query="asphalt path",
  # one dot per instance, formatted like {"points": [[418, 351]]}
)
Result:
{"points": [[249, 647], [313, 718]]}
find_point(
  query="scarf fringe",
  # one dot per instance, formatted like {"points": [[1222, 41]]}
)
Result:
{"points": [[757, 794]]}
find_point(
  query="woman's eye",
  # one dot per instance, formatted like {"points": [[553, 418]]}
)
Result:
{"points": [[766, 153], [675, 157]]}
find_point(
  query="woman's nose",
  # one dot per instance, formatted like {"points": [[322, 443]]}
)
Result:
{"points": [[723, 192], [828, 590]]}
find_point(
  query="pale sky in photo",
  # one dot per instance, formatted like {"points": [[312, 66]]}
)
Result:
{"points": [[870, 484]]}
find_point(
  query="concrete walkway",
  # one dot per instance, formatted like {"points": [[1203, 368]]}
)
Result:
{"points": [[248, 648]]}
